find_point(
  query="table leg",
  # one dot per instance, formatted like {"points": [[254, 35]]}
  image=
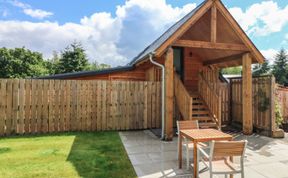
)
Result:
{"points": [[231, 159], [195, 149], [180, 151]]}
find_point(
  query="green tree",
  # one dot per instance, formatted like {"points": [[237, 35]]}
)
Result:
{"points": [[96, 66], [73, 59], [261, 69], [21, 63], [53, 63], [232, 70], [280, 67]]}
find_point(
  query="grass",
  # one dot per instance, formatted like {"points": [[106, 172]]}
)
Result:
{"points": [[65, 155]]}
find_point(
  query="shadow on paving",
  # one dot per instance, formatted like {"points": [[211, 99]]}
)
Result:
{"points": [[100, 155]]}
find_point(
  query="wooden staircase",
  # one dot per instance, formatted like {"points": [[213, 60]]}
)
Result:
{"points": [[203, 105], [201, 112]]}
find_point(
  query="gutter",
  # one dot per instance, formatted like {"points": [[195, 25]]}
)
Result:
{"points": [[163, 93]]}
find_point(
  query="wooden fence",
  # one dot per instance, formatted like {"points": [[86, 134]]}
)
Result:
{"points": [[224, 91], [282, 96], [46, 106], [263, 102]]}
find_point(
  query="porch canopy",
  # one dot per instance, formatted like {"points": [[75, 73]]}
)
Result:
{"points": [[211, 33]]}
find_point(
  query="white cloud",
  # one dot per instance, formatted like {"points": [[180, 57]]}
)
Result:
{"points": [[37, 13], [19, 4], [112, 40], [28, 10], [269, 54], [261, 19]]}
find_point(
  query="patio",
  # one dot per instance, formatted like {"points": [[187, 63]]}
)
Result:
{"points": [[265, 157]]}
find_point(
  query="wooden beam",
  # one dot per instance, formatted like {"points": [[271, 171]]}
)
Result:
{"points": [[240, 32], [247, 119], [210, 45], [223, 59], [199, 13], [213, 24], [169, 92]]}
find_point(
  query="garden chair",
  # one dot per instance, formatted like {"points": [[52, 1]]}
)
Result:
{"points": [[186, 125], [220, 159]]}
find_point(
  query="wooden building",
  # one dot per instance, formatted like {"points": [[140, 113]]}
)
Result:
{"points": [[192, 52]]}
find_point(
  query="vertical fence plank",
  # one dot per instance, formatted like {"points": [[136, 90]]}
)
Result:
{"points": [[74, 108], [9, 99], [3, 91], [21, 106], [15, 104], [145, 109], [98, 104], [45, 106], [51, 126]]}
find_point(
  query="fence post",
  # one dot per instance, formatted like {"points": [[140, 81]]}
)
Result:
{"points": [[272, 105]]}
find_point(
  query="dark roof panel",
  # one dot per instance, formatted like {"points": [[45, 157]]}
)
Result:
{"points": [[88, 73]]}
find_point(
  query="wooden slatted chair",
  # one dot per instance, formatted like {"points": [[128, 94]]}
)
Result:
{"points": [[187, 125], [220, 160]]}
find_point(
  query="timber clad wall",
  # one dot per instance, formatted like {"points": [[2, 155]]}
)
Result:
{"points": [[192, 66], [46, 106], [263, 102], [135, 75]]}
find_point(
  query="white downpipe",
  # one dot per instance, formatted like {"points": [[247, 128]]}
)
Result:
{"points": [[163, 93]]}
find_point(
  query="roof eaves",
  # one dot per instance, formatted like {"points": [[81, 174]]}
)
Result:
{"points": [[87, 73]]}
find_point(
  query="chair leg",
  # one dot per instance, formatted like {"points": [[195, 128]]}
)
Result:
{"points": [[187, 157], [198, 158], [226, 176]]}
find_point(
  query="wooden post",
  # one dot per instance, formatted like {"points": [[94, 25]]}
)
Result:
{"points": [[272, 106], [247, 94], [213, 24], [169, 88]]}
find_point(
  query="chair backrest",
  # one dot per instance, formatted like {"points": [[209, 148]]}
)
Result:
{"points": [[186, 125], [227, 148]]}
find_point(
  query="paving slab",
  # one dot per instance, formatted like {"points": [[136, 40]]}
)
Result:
{"points": [[152, 158]]}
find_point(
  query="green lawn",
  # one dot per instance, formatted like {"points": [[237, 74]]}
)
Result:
{"points": [[65, 155]]}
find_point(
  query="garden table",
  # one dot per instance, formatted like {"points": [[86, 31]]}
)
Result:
{"points": [[196, 136]]}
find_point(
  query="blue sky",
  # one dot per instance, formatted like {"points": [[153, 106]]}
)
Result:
{"points": [[108, 29]]}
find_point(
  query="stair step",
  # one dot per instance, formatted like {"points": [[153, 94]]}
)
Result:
{"points": [[198, 102], [208, 125], [202, 118], [198, 112], [199, 107]]}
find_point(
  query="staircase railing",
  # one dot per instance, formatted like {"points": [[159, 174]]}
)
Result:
{"points": [[210, 95], [183, 98]]}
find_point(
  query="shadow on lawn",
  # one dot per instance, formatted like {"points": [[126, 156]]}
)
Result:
{"points": [[100, 155], [4, 150]]}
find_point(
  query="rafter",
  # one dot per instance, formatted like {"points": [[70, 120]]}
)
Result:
{"points": [[223, 59], [210, 45]]}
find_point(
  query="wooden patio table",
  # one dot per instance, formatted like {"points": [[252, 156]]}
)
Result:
{"points": [[196, 136]]}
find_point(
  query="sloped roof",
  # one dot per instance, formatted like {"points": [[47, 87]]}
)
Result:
{"points": [[87, 73], [149, 49], [165, 36]]}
